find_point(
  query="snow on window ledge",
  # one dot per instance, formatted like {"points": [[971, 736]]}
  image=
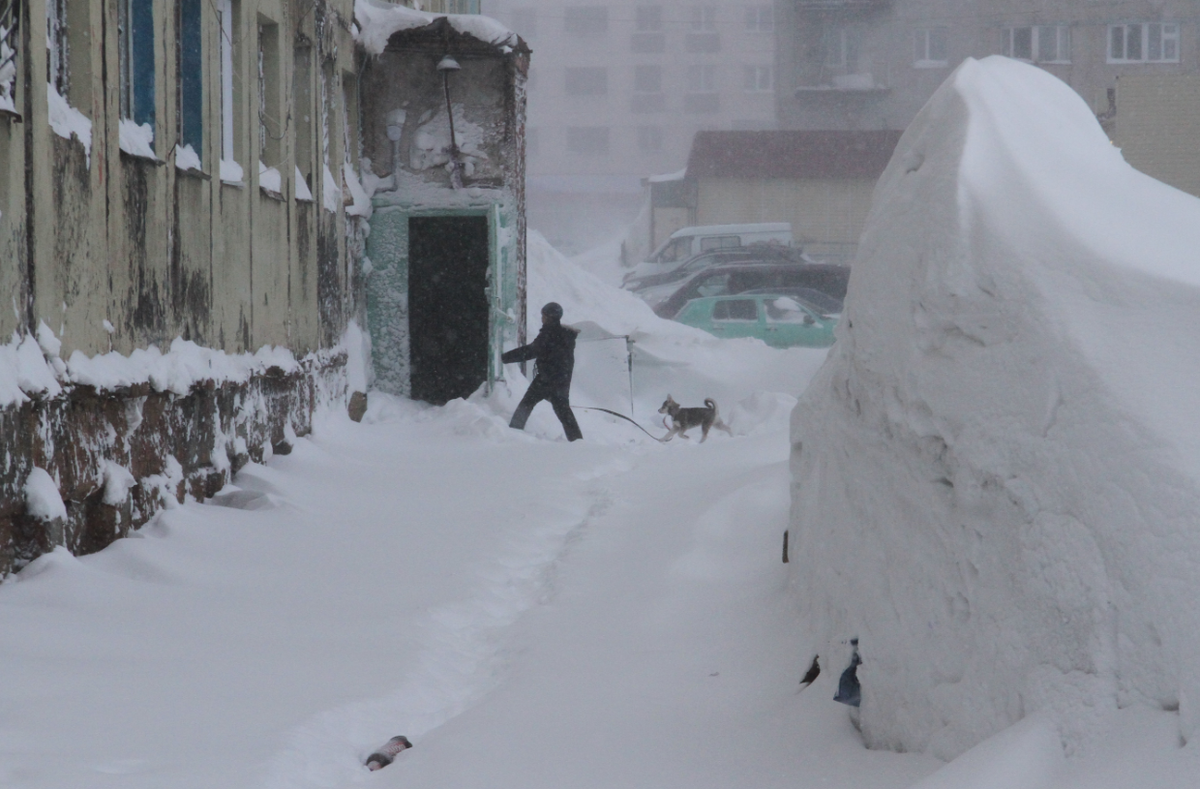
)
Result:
{"points": [[188, 161], [137, 141], [270, 181], [331, 193], [67, 122], [232, 173], [303, 193], [361, 205]]}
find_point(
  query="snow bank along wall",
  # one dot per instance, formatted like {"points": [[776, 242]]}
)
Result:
{"points": [[447, 260], [996, 475], [184, 180]]}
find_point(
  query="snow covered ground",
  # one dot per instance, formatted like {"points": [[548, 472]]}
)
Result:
{"points": [[531, 613]]}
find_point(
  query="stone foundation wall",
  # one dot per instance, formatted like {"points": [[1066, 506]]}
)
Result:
{"points": [[119, 456]]}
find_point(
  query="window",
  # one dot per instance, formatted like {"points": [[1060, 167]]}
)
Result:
{"points": [[735, 310], [719, 242], [303, 116], [270, 125], [701, 78], [587, 81], [650, 139], [524, 22], [587, 140], [704, 18], [190, 75], [1040, 44], [230, 13], [648, 18], [787, 310], [9, 38], [758, 79], [135, 56], [760, 18], [647, 79], [1153, 42], [932, 48], [842, 45], [586, 20], [702, 35], [462, 6], [57, 73]]}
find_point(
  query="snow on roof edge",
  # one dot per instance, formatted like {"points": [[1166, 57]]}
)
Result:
{"points": [[379, 21]]}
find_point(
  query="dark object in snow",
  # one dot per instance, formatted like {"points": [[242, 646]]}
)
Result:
{"points": [[385, 755], [358, 406], [684, 419], [785, 539], [554, 350], [814, 671], [849, 691]]}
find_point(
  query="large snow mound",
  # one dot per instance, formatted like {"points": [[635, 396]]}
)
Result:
{"points": [[996, 474]]}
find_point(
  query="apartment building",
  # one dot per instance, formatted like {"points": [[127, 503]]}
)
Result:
{"points": [[872, 64]]}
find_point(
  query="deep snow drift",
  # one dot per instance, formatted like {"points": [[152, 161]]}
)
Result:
{"points": [[996, 475]]}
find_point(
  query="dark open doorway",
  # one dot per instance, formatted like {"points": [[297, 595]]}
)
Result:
{"points": [[447, 305]]}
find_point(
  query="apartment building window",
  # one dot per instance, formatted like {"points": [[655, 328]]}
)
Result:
{"points": [[1150, 42], [9, 39], [758, 79], [587, 81], [1039, 44], [702, 33], [650, 139], [190, 76], [647, 90], [701, 96], [843, 46], [135, 60], [648, 24], [932, 47], [586, 20], [760, 18], [524, 22], [587, 140]]}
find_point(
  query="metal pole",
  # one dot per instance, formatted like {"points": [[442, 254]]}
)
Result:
{"points": [[629, 351]]}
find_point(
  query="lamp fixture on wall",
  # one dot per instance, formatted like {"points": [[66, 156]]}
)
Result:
{"points": [[446, 65]]}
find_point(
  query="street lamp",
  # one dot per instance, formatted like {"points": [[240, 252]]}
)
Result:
{"points": [[446, 65]]}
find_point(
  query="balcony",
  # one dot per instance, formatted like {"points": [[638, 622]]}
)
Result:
{"points": [[847, 86]]}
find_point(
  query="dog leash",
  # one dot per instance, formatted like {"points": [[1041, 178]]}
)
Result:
{"points": [[627, 419]]}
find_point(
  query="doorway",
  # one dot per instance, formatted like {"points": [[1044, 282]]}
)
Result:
{"points": [[447, 306]]}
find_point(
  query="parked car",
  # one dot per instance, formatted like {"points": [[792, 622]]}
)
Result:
{"points": [[775, 318], [688, 241], [733, 279], [674, 272]]}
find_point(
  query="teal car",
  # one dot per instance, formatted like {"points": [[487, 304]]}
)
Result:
{"points": [[779, 320]]}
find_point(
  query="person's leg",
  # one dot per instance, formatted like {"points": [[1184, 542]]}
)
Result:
{"points": [[533, 395], [562, 409]]}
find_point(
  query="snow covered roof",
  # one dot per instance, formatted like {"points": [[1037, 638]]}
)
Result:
{"points": [[377, 21], [791, 154]]}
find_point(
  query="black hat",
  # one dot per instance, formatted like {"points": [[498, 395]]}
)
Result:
{"points": [[553, 311]]}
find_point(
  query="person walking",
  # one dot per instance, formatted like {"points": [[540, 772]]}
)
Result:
{"points": [[554, 350]]}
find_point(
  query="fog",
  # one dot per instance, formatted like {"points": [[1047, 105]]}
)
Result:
{"points": [[619, 89]]}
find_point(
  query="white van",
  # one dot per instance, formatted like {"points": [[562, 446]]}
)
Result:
{"points": [[689, 241]]}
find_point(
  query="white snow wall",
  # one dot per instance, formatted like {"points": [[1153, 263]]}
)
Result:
{"points": [[996, 474]]}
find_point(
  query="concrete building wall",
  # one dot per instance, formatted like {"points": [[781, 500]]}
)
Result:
{"points": [[161, 252], [1157, 126], [826, 211], [885, 83]]}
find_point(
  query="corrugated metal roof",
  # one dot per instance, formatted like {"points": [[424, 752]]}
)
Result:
{"points": [[791, 154]]}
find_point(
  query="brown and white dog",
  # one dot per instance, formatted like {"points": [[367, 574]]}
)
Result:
{"points": [[684, 419]]}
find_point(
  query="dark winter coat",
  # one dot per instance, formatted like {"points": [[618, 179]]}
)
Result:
{"points": [[554, 350]]}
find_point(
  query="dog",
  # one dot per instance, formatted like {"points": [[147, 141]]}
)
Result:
{"points": [[684, 419]]}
